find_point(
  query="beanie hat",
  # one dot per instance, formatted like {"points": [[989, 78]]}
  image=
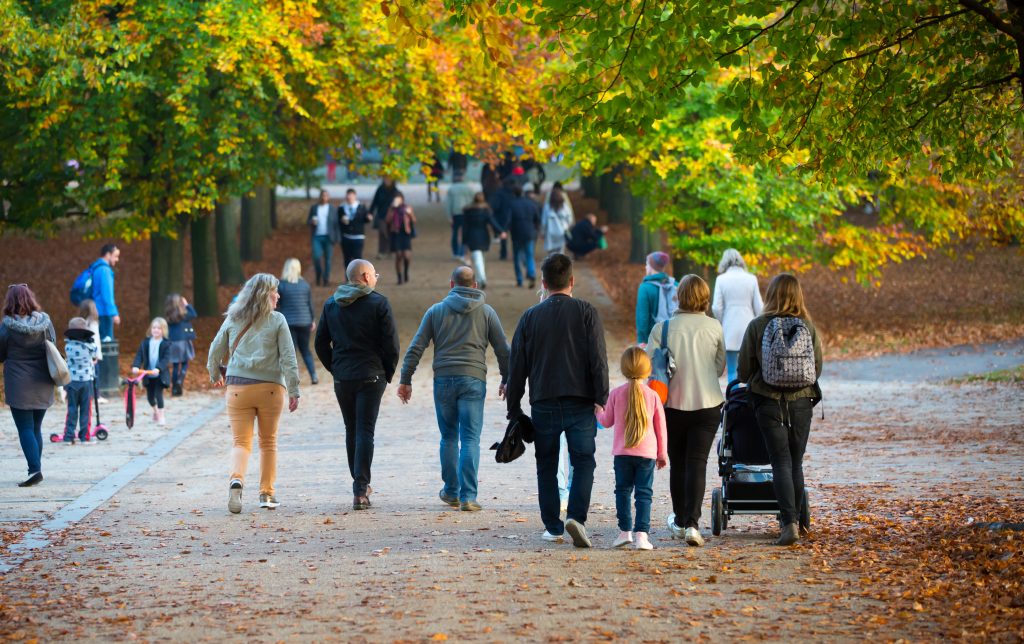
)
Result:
{"points": [[658, 260], [78, 323]]}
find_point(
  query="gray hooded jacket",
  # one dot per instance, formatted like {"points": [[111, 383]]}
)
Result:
{"points": [[27, 383], [461, 326]]}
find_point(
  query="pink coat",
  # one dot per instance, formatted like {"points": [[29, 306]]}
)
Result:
{"points": [[655, 441]]}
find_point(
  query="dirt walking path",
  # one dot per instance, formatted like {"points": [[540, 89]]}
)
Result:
{"points": [[164, 560]]}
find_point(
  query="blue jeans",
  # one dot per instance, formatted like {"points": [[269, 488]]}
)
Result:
{"points": [[522, 255], [457, 249], [634, 474], [323, 249], [574, 418], [79, 403], [106, 327], [30, 434], [732, 359], [459, 403]]}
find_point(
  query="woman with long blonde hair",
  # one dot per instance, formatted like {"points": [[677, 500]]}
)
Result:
{"points": [[296, 304], [253, 355], [639, 445]]}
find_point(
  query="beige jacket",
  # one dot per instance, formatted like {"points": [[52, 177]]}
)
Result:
{"points": [[698, 346]]}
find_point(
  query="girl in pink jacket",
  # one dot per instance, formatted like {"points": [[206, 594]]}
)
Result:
{"points": [[639, 445]]}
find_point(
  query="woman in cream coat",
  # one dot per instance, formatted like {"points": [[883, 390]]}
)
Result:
{"points": [[737, 301], [694, 402]]}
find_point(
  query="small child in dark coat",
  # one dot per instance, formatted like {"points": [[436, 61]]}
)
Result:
{"points": [[153, 359]]}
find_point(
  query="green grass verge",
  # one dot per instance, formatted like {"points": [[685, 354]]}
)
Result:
{"points": [[1010, 376]]}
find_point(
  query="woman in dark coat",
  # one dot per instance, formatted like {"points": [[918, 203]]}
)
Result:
{"points": [[478, 227], [379, 207], [28, 388], [296, 305]]}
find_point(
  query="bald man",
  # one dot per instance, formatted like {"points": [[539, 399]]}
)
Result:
{"points": [[461, 327], [357, 341]]}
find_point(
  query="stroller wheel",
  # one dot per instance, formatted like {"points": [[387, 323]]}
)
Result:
{"points": [[717, 512], [102, 434]]}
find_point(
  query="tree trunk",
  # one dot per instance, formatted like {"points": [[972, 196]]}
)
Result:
{"points": [[604, 188], [591, 186], [204, 266], [251, 232], [263, 210], [618, 200], [166, 268], [229, 259], [273, 207], [640, 237]]}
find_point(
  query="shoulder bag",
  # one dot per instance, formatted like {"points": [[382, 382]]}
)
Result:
{"points": [[231, 351], [59, 373]]}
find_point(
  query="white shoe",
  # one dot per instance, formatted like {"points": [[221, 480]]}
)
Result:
{"points": [[161, 419], [692, 537], [624, 539], [553, 538], [578, 533], [642, 542], [676, 531], [235, 496]]}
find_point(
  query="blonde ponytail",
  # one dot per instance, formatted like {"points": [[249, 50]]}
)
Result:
{"points": [[636, 366]]}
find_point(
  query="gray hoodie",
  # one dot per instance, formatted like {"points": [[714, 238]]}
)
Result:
{"points": [[461, 326]]}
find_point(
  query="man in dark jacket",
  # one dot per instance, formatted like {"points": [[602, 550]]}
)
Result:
{"points": [[523, 225], [352, 219], [585, 236], [500, 200], [559, 348], [323, 232], [461, 326], [357, 341]]}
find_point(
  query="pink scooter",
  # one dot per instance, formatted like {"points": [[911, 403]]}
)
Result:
{"points": [[98, 431]]}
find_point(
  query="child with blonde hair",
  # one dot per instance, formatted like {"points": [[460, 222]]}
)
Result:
{"points": [[153, 359], [640, 444]]}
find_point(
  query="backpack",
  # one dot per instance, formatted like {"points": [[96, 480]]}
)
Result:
{"points": [[787, 354], [663, 366], [81, 289], [668, 300]]}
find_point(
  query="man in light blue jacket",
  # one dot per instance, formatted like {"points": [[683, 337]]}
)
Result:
{"points": [[103, 290]]}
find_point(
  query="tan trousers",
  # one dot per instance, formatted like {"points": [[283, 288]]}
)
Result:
{"points": [[246, 404]]}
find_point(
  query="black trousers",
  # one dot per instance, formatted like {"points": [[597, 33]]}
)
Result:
{"points": [[360, 402], [154, 392], [785, 426], [300, 338], [690, 436], [351, 249]]}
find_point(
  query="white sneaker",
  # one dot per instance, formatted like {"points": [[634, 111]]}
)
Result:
{"points": [[578, 533], [676, 531], [161, 419], [692, 537], [235, 496], [642, 542], [624, 539], [553, 538]]}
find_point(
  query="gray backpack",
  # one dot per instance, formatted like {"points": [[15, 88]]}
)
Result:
{"points": [[787, 354]]}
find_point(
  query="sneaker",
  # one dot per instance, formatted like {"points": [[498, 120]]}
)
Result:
{"points": [[643, 542], [450, 500], [161, 419], [268, 501], [553, 538], [676, 531], [624, 538], [34, 479], [693, 538], [102, 400], [156, 415], [578, 533], [86, 442], [235, 496], [68, 441], [470, 506]]}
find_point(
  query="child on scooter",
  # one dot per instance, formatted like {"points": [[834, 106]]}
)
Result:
{"points": [[152, 358], [79, 348]]}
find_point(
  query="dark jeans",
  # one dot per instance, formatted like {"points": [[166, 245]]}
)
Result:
{"points": [[785, 427], [178, 372], [690, 436], [106, 327], [457, 249], [360, 402], [30, 434], [300, 338], [634, 473], [503, 249], [522, 258], [575, 418], [154, 392], [79, 410], [351, 249], [323, 249]]}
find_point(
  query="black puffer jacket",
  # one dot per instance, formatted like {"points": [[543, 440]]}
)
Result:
{"points": [[296, 303], [356, 336]]}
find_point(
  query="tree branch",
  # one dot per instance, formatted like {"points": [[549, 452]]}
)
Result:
{"points": [[993, 19], [762, 31], [629, 46]]}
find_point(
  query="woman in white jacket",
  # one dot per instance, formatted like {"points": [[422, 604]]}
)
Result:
{"points": [[555, 221], [737, 301]]}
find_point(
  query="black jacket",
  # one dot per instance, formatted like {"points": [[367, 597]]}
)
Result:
{"points": [[163, 362], [382, 199], [356, 336], [475, 223], [356, 223], [296, 303], [524, 219], [500, 201], [559, 347]]}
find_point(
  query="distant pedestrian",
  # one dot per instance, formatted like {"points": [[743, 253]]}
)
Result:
{"points": [[324, 234], [28, 389], [181, 334], [460, 195], [737, 301], [103, 290], [253, 355], [379, 207], [500, 201], [353, 217], [656, 298], [401, 225], [694, 405], [478, 228], [153, 359], [586, 236], [296, 305], [523, 226], [357, 341], [434, 173], [79, 351], [458, 162], [639, 445], [461, 327], [783, 413], [556, 220], [558, 347]]}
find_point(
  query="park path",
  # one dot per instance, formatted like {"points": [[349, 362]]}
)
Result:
{"points": [[164, 560]]}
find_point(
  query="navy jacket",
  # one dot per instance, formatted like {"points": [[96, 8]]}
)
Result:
{"points": [[162, 363], [524, 220]]}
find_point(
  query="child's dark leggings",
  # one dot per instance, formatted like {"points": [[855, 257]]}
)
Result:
{"points": [[154, 392]]}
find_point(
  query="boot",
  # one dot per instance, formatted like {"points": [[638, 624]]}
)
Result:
{"points": [[790, 535]]}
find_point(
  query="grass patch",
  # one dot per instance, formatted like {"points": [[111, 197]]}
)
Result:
{"points": [[1014, 376]]}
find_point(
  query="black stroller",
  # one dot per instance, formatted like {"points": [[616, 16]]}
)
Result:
{"points": [[744, 466]]}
